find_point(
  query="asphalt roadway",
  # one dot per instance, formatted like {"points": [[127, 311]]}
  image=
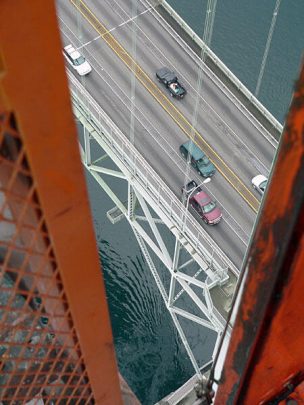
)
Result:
{"points": [[117, 44]]}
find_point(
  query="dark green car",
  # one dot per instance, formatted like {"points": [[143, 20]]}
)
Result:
{"points": [[198, 159]]}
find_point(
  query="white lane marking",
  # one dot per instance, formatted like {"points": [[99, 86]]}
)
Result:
{"points": [[218, 85], [266, 134], [89, 42], [115, 28], [129, 20], [166, 150]]}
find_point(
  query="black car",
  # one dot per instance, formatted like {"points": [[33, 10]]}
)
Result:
{"points": [[189, 187], [169, 79]]}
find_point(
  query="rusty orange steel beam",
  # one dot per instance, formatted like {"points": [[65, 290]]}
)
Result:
{"points": [[33, 86], [265, 359]]}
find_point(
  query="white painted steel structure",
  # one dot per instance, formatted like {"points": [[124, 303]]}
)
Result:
{"points": [[223, 68], [147, 188]]}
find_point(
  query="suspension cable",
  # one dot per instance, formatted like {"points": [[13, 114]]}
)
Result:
{"points": [[242, 276], [267, 47], [207, 36], [133, 75], [210, 14]]}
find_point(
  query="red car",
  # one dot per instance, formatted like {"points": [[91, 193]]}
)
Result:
{"points": [[206, 208]]}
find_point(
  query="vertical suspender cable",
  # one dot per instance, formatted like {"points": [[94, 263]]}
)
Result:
{"points": [[133, 71], [131, 195], [207, 36], [267, 47], [240, 281]]}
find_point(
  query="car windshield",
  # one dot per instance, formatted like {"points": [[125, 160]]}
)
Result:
{"points": [[79, 61], [203, 161], [263, 185], [208, 207]]}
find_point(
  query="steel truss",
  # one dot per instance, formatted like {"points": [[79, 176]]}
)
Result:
{"points": [[147, 192]]}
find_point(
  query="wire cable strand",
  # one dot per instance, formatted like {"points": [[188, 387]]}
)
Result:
{"points": [[267, 47], [132, 73], [241, 278], [207, 36]]}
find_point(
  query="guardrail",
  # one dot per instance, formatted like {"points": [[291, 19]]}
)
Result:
{"points": [[220, 65], [143, 176]]}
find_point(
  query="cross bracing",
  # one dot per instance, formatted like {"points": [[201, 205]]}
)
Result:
{"points": [[150, 207]]}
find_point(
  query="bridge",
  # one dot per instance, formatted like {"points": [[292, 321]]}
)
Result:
{"points": [[131, 131]]}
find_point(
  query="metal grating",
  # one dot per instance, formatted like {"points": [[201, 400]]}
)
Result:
{"points": [[40, 355]]}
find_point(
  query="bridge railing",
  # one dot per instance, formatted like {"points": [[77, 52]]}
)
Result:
{"points": [[139, 172], [217, 61]]}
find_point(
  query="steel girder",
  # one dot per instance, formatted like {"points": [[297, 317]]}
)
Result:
{"points": [[215, 267]]}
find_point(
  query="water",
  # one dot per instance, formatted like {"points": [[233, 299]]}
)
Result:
{"points": [[149, 352], [239, 38]]}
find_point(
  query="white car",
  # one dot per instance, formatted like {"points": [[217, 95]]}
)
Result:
{"points": [[259, 183], [76, 60]]}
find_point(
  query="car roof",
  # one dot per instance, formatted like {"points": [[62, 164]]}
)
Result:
{"points": [[166, 73], [75, 54], [72, 52], [195, 150], [260, 178], [191, 184], [202, 198]]}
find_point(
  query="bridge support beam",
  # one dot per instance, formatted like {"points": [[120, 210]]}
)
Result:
{"points": [[196, 267]]}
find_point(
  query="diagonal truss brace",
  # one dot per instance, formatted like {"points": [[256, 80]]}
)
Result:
{"points": [[203, 301], [162, 252]]}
